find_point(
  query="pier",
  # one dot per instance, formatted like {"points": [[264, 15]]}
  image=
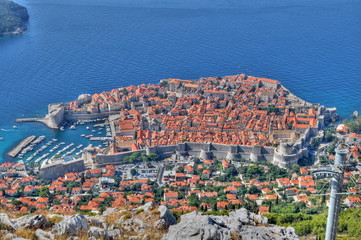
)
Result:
{"points": [[15, 151], [100, 138], [48, 122]]}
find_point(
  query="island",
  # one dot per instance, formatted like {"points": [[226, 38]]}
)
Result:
{"points": [[13, 18]]}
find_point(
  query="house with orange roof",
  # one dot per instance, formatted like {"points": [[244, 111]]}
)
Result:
{"points": [[170, 195], [263, 210]]}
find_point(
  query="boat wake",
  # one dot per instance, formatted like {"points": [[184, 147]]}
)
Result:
{"points": [[6, 130]]}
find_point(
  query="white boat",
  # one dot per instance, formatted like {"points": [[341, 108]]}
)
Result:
{"points": [[87, 127], [15, 126], [62, 128], [72, 127]]}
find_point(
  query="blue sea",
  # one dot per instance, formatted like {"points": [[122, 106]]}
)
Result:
{"points": [[86, 46]]}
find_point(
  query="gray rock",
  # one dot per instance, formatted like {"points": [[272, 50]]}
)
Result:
{"points": [[110, 211], [6, 222], [32, 221], [260, 219], [146, 207], [42, 235], [135, 224], [166, 218], [71, 225], [97, 232], [196, 225], [94, 222], [9, 236], [238, 224]]}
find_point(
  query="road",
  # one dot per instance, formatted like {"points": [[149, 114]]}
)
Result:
{"points": [[160, 175]]}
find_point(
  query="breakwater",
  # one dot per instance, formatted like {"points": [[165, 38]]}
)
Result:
{"points": [[16, 150]]}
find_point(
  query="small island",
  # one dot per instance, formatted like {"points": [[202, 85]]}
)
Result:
{"points": [[13, 18]]}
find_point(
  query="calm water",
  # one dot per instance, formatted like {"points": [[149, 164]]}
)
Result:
{"points": [[86, 46]]}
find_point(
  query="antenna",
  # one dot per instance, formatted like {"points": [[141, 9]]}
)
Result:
{"points": [[336, 171]]}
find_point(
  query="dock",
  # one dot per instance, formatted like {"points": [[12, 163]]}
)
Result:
{"points": [[15, 151], [100, 138]]}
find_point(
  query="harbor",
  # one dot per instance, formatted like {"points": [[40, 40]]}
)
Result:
{"points": [[53, 144], [16, 150]]}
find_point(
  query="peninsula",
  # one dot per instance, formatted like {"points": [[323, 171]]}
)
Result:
{"points": [[185, 151], [231, 117], [13, 18]]}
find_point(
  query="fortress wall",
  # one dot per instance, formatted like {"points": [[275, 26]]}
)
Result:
{"points": [[245, 149], [102, 160], [267, 150], [55, 170], [70, 116], [197, 146], [221, 147], [167, 151], [220, 154]]}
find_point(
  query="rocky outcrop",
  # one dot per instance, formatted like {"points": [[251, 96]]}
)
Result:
{"points": [[149, 222], [6, 222], [42, 235], [71, 226], [239, 224], [166, 218], [32, 221]]}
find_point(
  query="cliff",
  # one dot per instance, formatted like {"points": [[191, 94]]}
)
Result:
{"points": [[13, 18]]}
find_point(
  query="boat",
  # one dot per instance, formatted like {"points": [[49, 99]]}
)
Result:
{"points": [[54, 140], [1, 138], [83, 135], [87, 127], [15, 126], [355, 114], [62, 128], [72, 127]]}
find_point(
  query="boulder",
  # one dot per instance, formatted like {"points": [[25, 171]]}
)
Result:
{"points": [[166, 218], [32, 221], [238, 224], [9, 236], [71, 225], [94, 222], [99, 233], [110, 211], [6, 222], [197, 225], [135, 224], [42, 235], [146, 207]]}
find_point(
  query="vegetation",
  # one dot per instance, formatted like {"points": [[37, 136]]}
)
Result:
{"points": [[304, 224], [263, 171], [137, 157], [12, 17], [354, 125]]}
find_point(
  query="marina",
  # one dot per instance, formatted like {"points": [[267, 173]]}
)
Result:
{"points": [[15, 151], [69, 142]]}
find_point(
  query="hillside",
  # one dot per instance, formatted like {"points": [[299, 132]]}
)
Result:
{"points": [[146, 222], [12, 18]]}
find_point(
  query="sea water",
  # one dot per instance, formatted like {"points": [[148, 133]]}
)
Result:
{"points": [[88, 46]]}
